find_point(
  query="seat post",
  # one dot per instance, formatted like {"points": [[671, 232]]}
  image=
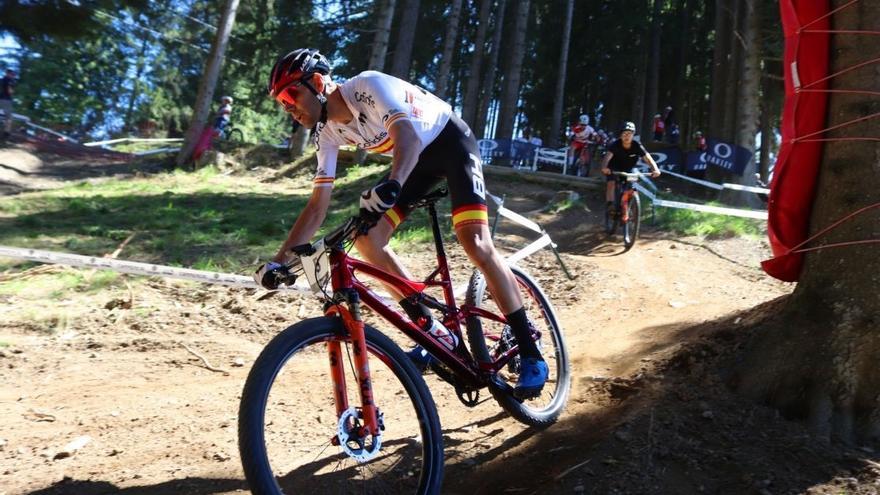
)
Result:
{"points": [[435, 228]]}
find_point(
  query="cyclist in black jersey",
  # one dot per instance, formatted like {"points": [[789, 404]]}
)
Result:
{"points": [[622, 156], [429, 143]]}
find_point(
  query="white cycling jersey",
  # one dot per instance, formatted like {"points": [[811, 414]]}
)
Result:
{"points": [[377, 100]]}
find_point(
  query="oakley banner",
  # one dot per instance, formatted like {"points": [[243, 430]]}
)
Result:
{"points": [[727, 156]]}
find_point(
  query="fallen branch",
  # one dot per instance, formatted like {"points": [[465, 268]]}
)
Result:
{"points": [[562, 474], [204, 361]]}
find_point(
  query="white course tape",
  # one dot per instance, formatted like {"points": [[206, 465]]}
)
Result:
{"points": [[156, 151], [740, 187], [136, 268], [706, 183], [760, 215], [516, 217], [534, 247], [134, 140]]}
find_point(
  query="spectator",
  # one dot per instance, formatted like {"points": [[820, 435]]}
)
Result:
{"points": [[674, 134], [6, 91], [659, 127], [537, 141], [700, 141], [668, 118]]}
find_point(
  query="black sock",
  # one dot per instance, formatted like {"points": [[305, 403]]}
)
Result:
{"points": [[417, 312], [519, 324]]}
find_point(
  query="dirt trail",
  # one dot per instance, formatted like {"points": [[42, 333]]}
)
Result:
{"points": [[115, 369]]}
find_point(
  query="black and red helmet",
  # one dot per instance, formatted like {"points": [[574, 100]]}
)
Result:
{"points": [[294, 66]]}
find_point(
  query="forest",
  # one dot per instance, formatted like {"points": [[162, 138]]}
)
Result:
{"points": [[134, 67]]}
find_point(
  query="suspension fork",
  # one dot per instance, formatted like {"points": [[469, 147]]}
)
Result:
{"points": [[351, 318], [624, 203]]}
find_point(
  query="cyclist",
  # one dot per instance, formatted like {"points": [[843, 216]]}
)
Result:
{"points": [[428, 142], [622, 156], [581, 136], [223, 115]]}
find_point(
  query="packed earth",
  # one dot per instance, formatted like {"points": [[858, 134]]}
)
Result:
{"points": [[136, 390]]}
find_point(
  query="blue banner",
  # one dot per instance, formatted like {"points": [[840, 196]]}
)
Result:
{"points": [[668, 158], [506, 150], [696, 161], [727, 156]]}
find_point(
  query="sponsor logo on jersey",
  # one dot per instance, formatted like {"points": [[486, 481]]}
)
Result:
{"points": [[364, 98]]}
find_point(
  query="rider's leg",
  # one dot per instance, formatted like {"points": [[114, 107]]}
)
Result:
{"points": [[477, 243], [374, 248], [609, 190]]}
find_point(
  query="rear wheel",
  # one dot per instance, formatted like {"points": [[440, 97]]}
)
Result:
{"points": [[631, 227], [490, 339], [292, 441]]}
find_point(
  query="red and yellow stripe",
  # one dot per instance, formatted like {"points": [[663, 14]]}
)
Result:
{"points": [[470, 215], [394, 216], [323, 182], [393, 118], [385, 146]]}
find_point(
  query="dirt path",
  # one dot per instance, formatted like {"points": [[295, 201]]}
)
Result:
{"points": [[115, 369]]}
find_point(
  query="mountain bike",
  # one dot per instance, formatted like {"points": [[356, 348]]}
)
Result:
{"points": [[626, 209], [333, 405], [232, 134]]}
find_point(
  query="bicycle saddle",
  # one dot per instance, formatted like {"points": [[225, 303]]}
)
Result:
{"points": [[431, 198]]}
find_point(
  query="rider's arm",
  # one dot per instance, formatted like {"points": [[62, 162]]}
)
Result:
{"points": [[605, 161], [407, 147], [308, 222], [650, 159]]}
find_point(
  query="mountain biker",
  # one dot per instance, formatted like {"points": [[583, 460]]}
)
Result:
{"points": [[622, 156], [429, 143], [223, 115], [581, 134]]}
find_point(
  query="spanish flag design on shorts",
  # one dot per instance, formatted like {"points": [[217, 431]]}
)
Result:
{"points": [[394, 216], [470, 214]]}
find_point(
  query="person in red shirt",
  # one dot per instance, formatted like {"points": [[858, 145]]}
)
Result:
{"points": [[659, 127], [581, 137], [699, 141]]}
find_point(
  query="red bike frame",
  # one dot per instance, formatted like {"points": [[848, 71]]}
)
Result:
{"points": [[466, 369]]}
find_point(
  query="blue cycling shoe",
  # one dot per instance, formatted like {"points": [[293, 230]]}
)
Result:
{"points": [[533, 374], [420, 358]]}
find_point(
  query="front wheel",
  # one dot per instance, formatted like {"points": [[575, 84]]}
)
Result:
{"points": [[631, 226], [289, 431], [490, 339], [235, 136]]}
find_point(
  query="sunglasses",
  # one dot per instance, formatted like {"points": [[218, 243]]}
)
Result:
{"points": [[287, 97]]}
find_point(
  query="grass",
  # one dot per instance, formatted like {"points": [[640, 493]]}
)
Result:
{"points": [[710, 225], [204, 220]]}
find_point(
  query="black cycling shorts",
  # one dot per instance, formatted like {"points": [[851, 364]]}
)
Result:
{"points": [[453, 156]]}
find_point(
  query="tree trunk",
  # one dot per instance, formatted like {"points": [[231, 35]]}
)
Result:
{"points": [[208, 82], [472, 89], [748, 99], [377, 53], [383, 32], [685, 11], [818, 358], [510, 95], [406, 36], [298, 141], [440, 84], [766, 129], [653, 74], [734, 71], [560, 76], [720, 64], [489, 76]]}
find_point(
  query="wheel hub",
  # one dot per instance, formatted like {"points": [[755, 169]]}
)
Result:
{"points": [[353, 438]]}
